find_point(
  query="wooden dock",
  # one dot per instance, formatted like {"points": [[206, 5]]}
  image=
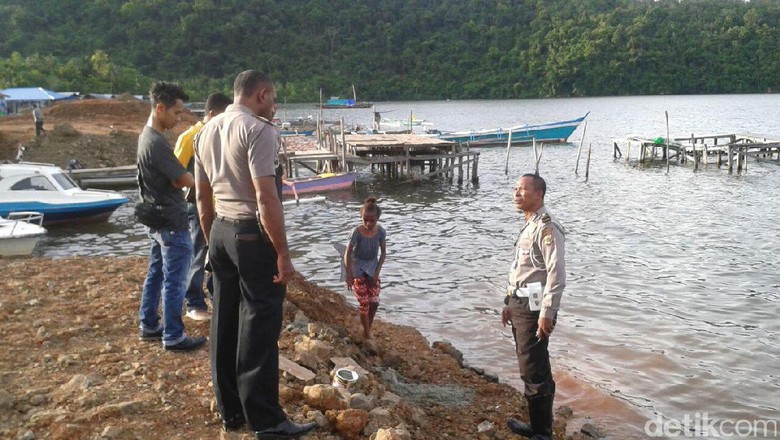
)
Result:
{"points": [[395, 155], [731, 150]]}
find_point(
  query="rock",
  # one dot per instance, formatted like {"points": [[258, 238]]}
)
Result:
{"points": [[111, 432], [447, 348], [319, 418], [301, 322], [391, 359], [325, 397], [307, 359], [77, 384], [361, 401], [7, 400], [398, 433], [390, 399], [486, 427], [381, 416], [564, 412], [46, 416], [591, 431], [321, 349], [287, 394], [349, 423], [371, 347], [26, 435]]}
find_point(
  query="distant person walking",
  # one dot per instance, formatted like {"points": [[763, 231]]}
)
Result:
{"points": [[194, 298], [38, 118], [366, 243], [161, 178], [236, 156]]}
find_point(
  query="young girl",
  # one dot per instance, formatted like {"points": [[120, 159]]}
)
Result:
{"points": [[363, 268]]}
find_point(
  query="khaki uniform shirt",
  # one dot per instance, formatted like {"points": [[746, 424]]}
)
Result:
{"points": [[231, 150], [539, 257]]}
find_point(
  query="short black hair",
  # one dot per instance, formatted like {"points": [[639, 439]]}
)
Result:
{"points": [[166, 93], [539, 183], [248, 81], [217, 102]]}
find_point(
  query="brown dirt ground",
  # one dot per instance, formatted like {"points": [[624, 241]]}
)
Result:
{"points": [[61, 318], [98, 133]]}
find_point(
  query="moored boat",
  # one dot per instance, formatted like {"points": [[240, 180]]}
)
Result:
{"points": [[19, 233], [319, 183], [550, 132], [49, 190]]}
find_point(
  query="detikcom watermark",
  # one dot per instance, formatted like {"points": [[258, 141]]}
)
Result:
{"points": [[700, 425]]}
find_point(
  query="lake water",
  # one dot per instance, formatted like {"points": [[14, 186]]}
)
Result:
{"points": [[672, 298]]}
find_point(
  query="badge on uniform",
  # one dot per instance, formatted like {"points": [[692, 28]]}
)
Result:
{"points": [[534, 296], [548, 237]]}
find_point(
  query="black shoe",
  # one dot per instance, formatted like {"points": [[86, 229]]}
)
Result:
{"points": [[234, 423], [520, 428], [286, 429], [188, 344], [150, 336]]}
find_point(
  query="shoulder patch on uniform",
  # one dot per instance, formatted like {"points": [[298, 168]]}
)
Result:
{"points": [[546, 218], [548, 239]]}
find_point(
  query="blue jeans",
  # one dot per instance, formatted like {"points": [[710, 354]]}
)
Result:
{"points": [[194, 297], [169, 262]]}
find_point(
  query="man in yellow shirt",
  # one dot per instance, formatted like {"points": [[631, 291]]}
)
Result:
{"points": [[195, 300]]}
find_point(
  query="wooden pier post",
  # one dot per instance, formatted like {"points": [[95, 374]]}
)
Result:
{"points": [[667, 140], [695, 159], [460, 169], [746, 159], [343, 147], [474, 175], [587, 163], [579, 150], [739, 159], [508, 144], [720, 157], [706, 155], [628, 151], [731, 159]]}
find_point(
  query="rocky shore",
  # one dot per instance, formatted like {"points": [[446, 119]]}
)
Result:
{"points": [[73, 367]]}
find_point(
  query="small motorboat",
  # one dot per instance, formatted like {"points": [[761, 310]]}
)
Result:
{"points": [[19, 233], [47, 189], [318, 183]]}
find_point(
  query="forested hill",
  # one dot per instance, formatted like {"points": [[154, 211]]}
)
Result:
{"points": [[396, 49]]}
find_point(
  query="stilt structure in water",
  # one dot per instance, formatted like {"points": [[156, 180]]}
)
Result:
{"points": [[731, 150], [406, 156]]}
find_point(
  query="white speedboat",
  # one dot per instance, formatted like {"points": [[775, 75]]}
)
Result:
{"points": [[20, 232], [47, 189]]}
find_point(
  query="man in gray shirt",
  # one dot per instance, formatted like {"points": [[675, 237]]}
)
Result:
{"points": [[161, 178]]}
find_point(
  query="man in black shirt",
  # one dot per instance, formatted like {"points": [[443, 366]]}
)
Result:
{"points": [[161, 178]]}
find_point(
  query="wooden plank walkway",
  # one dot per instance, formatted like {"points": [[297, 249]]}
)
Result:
{"points": [[731, 150]]}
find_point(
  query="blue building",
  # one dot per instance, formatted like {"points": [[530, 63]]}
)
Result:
{"points": [[19, 99]]}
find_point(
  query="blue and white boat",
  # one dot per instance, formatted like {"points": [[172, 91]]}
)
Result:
{"points": [[49, 190], [550, 132]]}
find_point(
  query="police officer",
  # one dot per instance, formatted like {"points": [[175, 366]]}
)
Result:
{"points": [[536, 282], [236, 156]]}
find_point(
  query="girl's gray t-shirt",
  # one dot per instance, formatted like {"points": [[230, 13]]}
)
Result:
{"points": [[365, 252]]}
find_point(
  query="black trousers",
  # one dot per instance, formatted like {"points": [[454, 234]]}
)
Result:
{"points": [[532, 355], [38, 128], [246, 323]]}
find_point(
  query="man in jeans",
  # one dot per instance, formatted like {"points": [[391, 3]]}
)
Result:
{"points": [[161, 178], [194, 298]]}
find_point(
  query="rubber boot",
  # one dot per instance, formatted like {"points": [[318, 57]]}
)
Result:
{"points": [[540, 413]]}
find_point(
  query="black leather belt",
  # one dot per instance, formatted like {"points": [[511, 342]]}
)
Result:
{"points": [[238, 221]]}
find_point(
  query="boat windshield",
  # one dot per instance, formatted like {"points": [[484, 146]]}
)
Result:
{"points": [[64, 181]]}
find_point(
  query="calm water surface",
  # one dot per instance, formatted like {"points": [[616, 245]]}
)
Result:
{"points": [[672, 297]]}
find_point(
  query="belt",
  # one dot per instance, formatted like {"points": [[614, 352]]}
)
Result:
{"points": [[238, 221]]}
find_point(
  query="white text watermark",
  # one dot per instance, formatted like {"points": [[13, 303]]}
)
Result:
{"points": [[700, 425]]}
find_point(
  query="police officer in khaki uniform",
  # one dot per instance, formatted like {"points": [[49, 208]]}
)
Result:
{"points": [[235, 165], [536, 282]]}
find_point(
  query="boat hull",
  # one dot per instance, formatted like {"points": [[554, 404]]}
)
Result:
{"points": [[18, 246], [59, 213], [552, 132], [318, 184]]}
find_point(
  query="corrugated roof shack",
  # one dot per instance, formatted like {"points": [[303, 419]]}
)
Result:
{"points": [[398, 155], [17, 99]]}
